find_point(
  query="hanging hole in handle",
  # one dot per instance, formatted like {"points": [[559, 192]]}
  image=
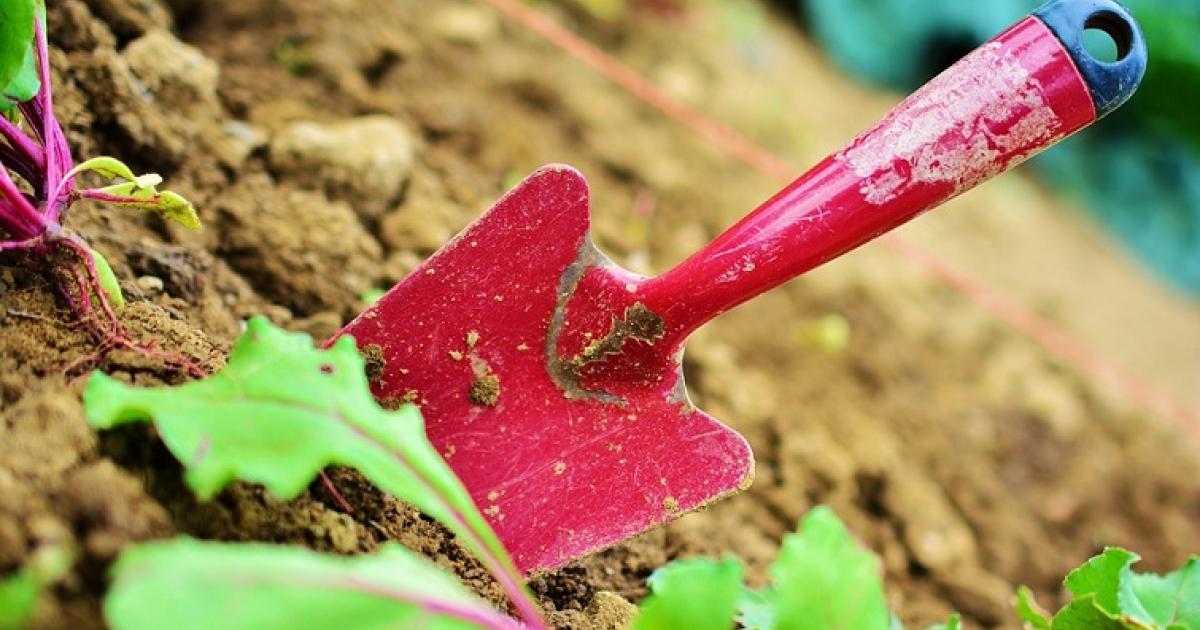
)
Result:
{"points": [[1107, 37]]}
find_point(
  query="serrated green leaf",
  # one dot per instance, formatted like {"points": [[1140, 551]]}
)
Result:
{"points": [[108, 281], [1101, 576], [1085, 613], [1029, 611], [16, 37], [825, 580], [280, 412], [191, 585], [698, 594], [1164, 601]]}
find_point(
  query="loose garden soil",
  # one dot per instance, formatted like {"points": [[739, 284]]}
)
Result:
{"points": [[955, 448]]}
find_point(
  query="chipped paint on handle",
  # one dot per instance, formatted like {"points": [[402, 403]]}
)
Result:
{"points": [[956, 131], [1009, 99]]}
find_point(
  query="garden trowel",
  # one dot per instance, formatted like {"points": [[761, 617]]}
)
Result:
{"points": [[550, 378]]}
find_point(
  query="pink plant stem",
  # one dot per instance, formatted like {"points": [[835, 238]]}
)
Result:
{"points": [[506, 575], [15, 245], [21, 143], [89, 262], [337, 495], [23, 222], [479, 616], [20, 164], [99, 195], [58, 153]]}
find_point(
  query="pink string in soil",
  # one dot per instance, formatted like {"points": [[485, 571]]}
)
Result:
{"points": [[32, 220]]}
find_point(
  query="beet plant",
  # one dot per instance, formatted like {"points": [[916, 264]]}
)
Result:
{"points": [[38, 185], [1107, 594]]}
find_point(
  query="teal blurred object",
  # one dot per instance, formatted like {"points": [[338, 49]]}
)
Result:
{"points": [[1138, 172]]}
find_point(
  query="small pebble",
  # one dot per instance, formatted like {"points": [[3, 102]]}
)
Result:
{"points": [[151, 285]]}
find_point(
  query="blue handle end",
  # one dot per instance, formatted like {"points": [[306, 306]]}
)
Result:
{"points": [[1111, 83]]}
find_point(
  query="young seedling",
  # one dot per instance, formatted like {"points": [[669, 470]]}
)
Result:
{"points": [[32, 206], [822, 579], [280, 412], [1107, 594]]}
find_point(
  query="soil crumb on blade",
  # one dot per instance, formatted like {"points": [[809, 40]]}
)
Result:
{"points": [[485, 390], [638, 323]]}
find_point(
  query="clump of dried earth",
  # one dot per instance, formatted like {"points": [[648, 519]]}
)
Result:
{"points": [[330, 145]]}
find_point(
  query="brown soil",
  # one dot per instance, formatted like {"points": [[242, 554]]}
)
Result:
{"points": [[956, 449]]}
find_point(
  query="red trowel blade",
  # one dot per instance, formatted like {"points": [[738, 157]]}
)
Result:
{"points": [[559, 471]]}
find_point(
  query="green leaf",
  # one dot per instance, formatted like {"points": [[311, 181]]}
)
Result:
{"points": [[825, 580], [18, 598], [16, 37], [1086, 613], [138, 191], [174, 207], [1101, 576], [105, 166], [1164, 601], [698, 594], [108, 281], [1029, 611], [756, 610], [24, 86], [280, 412], [1108, 594], [191, 585]]}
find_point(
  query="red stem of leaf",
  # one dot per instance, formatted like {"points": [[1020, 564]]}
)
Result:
{"points": [[21, 143], [99, 195], [108, 330], [17, 216], [337, 495]]}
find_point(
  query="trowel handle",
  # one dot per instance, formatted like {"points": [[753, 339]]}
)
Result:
{"points": [[1026, 89]]}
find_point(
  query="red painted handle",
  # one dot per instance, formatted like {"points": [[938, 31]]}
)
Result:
{"points": [[1007, 100]]}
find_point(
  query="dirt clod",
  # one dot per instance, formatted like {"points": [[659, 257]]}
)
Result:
{"points": [[297, 247], [638, 323], [364, 160], [485, 390], [374, 362]]}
